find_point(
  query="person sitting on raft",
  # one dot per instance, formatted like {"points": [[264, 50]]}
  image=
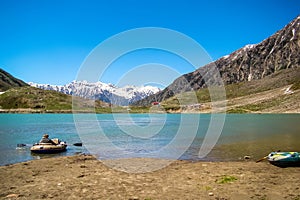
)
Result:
{"points": [[45, 139]]}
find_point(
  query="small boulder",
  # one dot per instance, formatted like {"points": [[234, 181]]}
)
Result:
{"points": [[12, 196], [247, 157]]}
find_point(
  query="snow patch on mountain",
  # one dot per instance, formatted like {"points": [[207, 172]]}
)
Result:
{"points": [[102, 91]]}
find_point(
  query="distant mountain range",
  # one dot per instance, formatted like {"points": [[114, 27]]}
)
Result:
{"points": [[108, 93], [252, 62], [101, 91]]}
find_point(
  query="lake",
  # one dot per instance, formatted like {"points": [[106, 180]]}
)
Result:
{"points": [[169, 136]]}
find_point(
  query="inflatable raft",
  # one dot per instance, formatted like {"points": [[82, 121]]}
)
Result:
{"points": [[49, 148], [284, 159]]}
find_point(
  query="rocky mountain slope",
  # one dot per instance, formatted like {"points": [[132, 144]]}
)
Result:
{"points": [[7, 81], [101, 91], [256, 96], [252, 62]]}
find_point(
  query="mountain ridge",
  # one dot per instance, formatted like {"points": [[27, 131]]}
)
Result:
{"points": [[251, 62], [8, 81], [108, 93]]}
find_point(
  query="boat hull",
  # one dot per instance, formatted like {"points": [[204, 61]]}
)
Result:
{"points": [[48, 148], [285, 164], [284, 159]]}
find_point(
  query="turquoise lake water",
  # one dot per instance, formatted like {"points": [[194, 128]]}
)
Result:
{"points": [[143, 135]]}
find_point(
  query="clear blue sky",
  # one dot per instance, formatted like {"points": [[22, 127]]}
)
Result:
{"points": [[46, 41]]}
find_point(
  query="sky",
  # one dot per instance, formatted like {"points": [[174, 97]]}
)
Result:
{"points": [[48, 41]]}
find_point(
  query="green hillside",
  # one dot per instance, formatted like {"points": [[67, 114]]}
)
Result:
{"points": [[30, 99]]}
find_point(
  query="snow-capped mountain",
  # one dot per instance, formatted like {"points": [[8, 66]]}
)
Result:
{"points": [[101, 91]]}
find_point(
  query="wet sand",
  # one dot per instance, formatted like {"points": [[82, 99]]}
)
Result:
{"points": [[84, 177]]}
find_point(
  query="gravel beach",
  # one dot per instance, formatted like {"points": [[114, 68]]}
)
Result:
{"points": [[84, 177]]}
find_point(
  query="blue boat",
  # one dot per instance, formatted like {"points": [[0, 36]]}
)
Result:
{"points": [[284, 159]]}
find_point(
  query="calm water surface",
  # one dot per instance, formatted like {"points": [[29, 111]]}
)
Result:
{"points": [[243, 134]]}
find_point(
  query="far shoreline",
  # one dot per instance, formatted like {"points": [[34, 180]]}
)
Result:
{"points": [[34, 111]]}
